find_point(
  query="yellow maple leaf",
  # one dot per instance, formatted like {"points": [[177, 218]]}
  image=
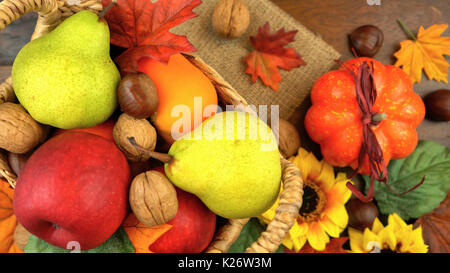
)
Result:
{"points": [[142, 237], [425, 52]]}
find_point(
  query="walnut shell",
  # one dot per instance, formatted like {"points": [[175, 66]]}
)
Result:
{"points": [[153, 198], [21, 236], [288, 139], [230, 18], [142, 131], [19, 132]]}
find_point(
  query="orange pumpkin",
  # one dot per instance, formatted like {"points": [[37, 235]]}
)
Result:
{"points": [[335, 118]]}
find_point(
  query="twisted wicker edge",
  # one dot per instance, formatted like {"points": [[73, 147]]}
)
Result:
{"points": [[52, 12]]}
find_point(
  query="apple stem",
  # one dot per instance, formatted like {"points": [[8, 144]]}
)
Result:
{"points": [[105, 10], [164, 158]]}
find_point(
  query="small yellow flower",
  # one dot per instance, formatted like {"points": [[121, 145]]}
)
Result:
{"points": [[323, 212], [397, 236]]}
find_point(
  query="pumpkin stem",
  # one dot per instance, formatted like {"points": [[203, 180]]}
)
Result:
{"points": [[379, 117]]}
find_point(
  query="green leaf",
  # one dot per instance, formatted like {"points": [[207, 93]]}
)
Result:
{"points": [[429, 159], [117, 243], [249, 234]]}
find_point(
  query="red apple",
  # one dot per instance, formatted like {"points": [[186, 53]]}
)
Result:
{"points": [[74, 187], [193, 226], [104, 129]]}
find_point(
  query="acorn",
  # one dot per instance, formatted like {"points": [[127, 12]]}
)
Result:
{"points": [[437, 105], [137, 95], [366, 40]]}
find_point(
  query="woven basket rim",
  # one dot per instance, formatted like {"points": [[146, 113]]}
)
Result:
{"points": [[53, 12]]}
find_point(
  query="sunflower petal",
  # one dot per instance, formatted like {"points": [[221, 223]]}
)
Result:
{"points": [[371, 241], [330, 227], [377, 226], [326, 176], [387, 236], [395, 221], [338, 214], [317, 237], [356, 240], [339, 193]]}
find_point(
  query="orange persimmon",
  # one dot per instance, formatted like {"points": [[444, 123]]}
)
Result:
{"points": [[180, 86]]}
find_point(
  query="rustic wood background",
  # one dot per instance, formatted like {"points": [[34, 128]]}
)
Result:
{"points": [[331, 19]]}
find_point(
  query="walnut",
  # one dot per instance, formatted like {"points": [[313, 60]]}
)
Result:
{"points": [[288, 139], [230, 18], [142, 131], [19, 132], [153, 198]]}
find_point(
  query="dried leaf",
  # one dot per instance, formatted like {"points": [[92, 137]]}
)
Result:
{"points": [[143, 27], [436, 227], [334, 246], [142, 237], [426, 53], [8, 220], [270, 54]]}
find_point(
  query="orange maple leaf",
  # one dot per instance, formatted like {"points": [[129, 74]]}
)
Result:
{"points": [[8, 220], [425, 52], [141, 236], [270, 54]]}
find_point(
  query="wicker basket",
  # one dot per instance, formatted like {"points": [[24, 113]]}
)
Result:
{"points": [[52, 12]]}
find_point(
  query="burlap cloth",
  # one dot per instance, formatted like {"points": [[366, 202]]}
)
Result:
{"points": [[226, 56]]}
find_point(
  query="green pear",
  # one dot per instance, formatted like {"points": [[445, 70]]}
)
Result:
{"points": [[66, 78], [231, 162]]}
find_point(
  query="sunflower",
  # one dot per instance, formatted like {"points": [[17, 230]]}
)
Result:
{"points": [[397, 236], [323, 212]]}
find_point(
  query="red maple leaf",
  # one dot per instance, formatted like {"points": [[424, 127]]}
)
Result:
{"points": [[270, 54], [143, 27]]}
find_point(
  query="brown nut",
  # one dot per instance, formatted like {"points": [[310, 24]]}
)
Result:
{"points": [[366, 40], [142, 131], [17, 161], [19, 132], [288, 138], [230, 18], [21, 236], [153, 198], [437, 105], [137, 95]]}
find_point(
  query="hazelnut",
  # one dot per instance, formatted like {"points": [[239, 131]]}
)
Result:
{"points": [[288, 138], [153, 198], [141, 130], [230, 18]]}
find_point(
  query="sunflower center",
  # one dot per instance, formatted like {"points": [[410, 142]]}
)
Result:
{"points": [[313, 202]]}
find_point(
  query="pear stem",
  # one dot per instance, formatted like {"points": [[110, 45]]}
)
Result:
{"points": [[164, 158], [106, 9]]}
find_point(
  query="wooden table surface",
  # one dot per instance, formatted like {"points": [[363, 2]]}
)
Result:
{"points": [[334, 19]]}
